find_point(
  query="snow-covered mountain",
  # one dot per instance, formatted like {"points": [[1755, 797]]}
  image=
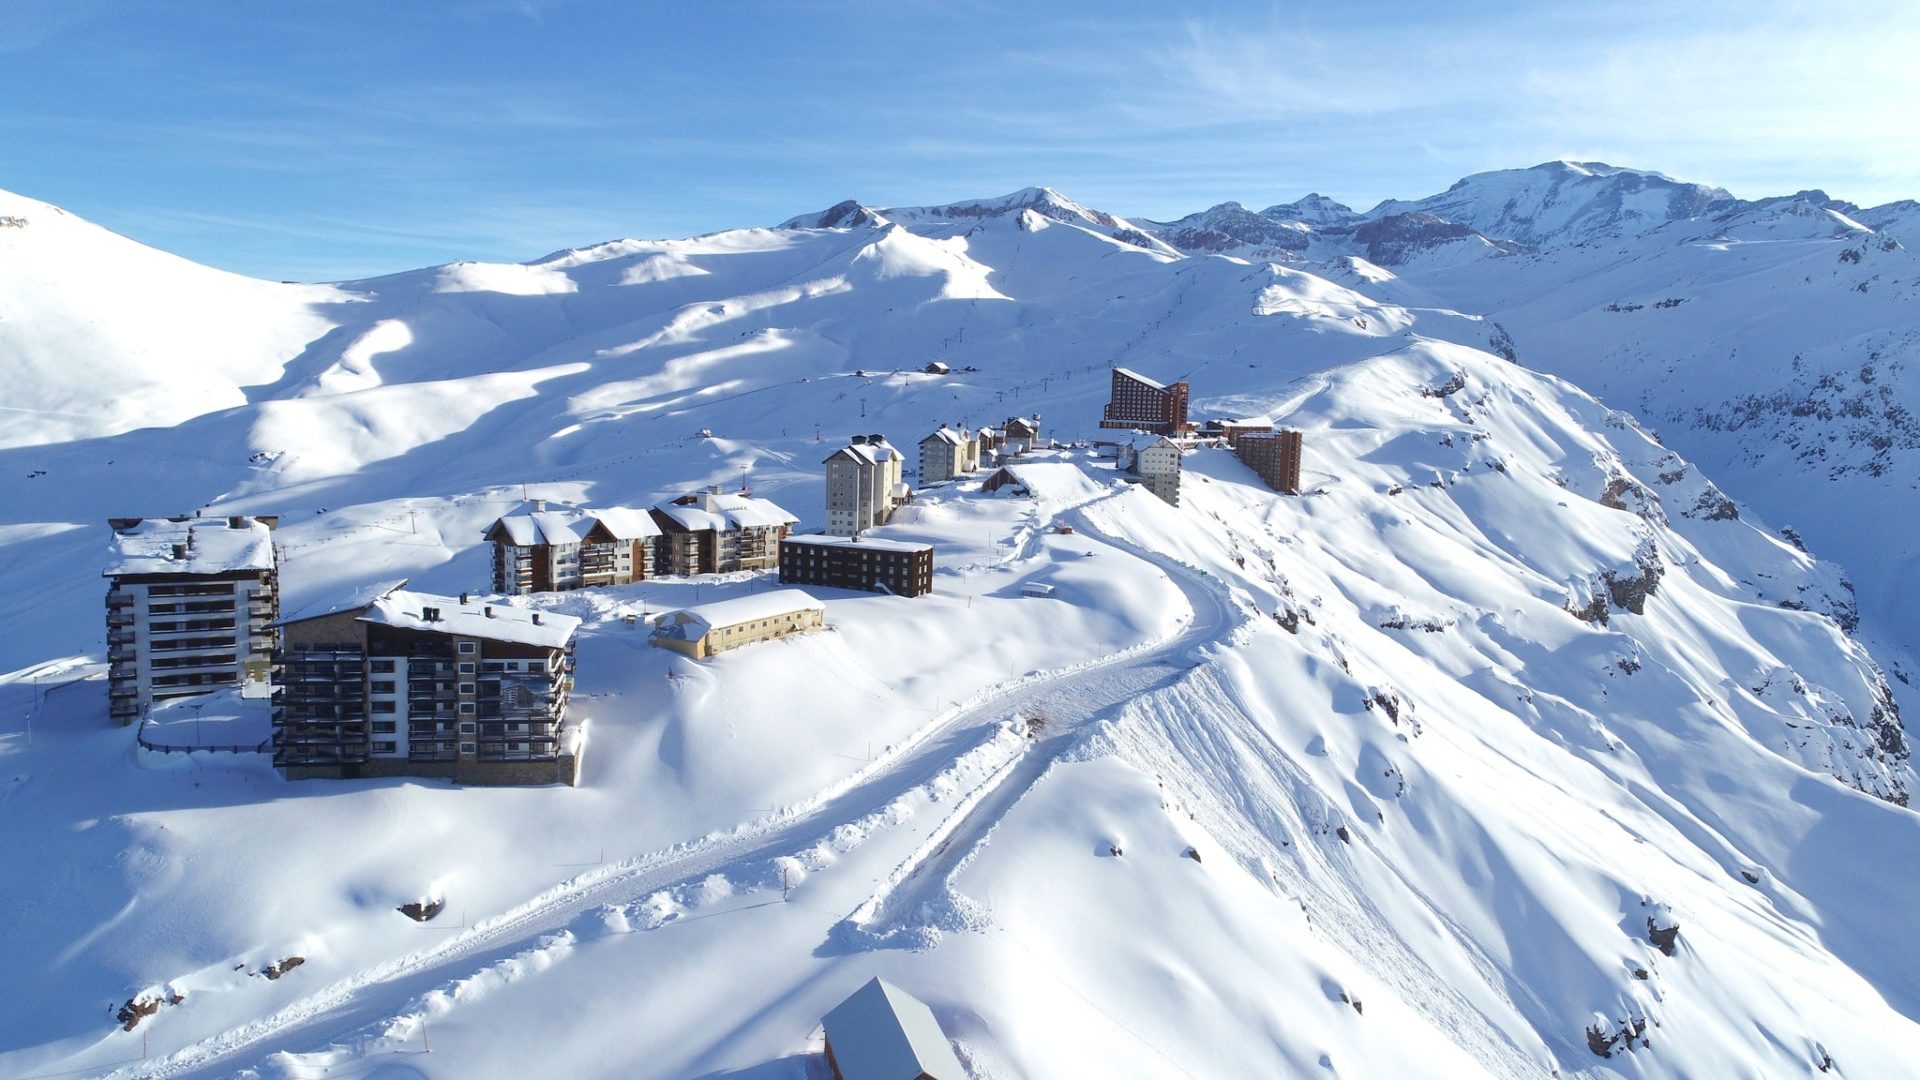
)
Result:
{"points": [[1524, 744]]}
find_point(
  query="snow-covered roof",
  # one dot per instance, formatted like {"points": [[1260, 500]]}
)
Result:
{"points": [[1030, 427], [204, 546], [571, 525], [870, 542], [356, 600], [562, 526], [945, 435], [626, 523], [1139, 378], [521, 626], [705, 618], [882, 1032], [724, 512]]}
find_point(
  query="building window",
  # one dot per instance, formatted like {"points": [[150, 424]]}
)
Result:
{"points": [[467, 669], [466, 748], [468, 648], [466, 709], [381, 667], [383, 747], [467, 728], [382, 686], [384, 727], [466, 688], [383, 706]]}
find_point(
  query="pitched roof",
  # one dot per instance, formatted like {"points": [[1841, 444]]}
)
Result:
{"points": [[1139, 378], [945, 435], [207, 546], [571, 525], [729, 512], [626, 523], [882, 1032], [518, 625]]}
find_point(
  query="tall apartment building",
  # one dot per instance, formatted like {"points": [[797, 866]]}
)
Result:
{"points": [[717, 532], [947, 453], [1275, 456], [864, 485], [1157, 467], [190, 607], [866, 563], [1139, 403], [543, 550], [411, 684]]}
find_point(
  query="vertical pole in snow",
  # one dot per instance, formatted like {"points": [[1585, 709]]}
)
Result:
{"points": [[784, 886], [424, 1040]]}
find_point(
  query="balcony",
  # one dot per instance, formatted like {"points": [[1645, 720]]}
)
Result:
{"points": [[119, 600]]}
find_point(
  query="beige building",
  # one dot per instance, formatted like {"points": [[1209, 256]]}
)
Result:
{"points": [[1157, 465], [864, 485], [190, 608], [707, 629], [948, 453]]}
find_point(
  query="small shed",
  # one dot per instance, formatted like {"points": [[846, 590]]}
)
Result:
{"points": [[935, 367], [882, 1032], [1036, 588]]}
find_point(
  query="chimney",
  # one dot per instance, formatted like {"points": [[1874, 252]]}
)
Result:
{"points": [[536, 618], [539, 506], [859, 440], [464, 598], [489, 610], [429, 614], [180, 550]]}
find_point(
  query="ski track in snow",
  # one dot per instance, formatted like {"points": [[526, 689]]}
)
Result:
{"points": [[1083, 691]]}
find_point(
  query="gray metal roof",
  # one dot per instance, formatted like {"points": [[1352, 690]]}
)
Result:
{"points": [[884, 1033]]}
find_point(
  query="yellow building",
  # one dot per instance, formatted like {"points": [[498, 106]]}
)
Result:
{"points": [[707, 629]]}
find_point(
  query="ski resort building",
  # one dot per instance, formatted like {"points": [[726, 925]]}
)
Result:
{"points": [[1231, 431], [191, 604], [1141, 404], [543, 550], [948, 453], [1022, 433], [1155, 466], [1275, 456], [864, 485], [869, 564], [715, 532], [707, 629], [411, 684], [882, 1032]]}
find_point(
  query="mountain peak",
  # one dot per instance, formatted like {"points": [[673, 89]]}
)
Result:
{"points": [[1313, 209]]}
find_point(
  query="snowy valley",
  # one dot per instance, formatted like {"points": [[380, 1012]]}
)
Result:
{"points": [[1528, 740]]}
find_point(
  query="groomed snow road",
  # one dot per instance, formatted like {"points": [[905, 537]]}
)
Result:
{"points": [[1068, 698]]}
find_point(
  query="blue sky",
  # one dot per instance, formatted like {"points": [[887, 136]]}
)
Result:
{"points": [[348, 138]]}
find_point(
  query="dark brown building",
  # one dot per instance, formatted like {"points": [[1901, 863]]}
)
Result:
{"points": [[1275, 456], [1138, 403], [869, 564], [408, 684]]}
